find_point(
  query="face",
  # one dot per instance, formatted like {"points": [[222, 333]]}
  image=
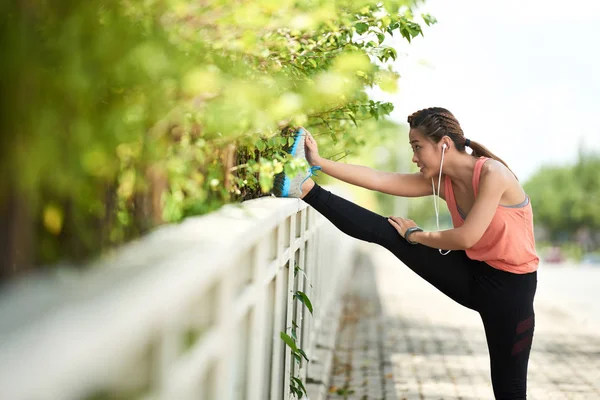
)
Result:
{"points": [[426, 153]]}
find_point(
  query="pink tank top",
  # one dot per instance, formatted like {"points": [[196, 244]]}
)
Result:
{"points": [[508, 242]]}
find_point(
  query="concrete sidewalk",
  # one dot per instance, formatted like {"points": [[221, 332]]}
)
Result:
{"points": [[400, 338]]}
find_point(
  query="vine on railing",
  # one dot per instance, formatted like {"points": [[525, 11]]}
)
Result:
{"points": [[297, 387]]}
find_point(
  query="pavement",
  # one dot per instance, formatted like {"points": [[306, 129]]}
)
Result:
{"points": [[401, 339]]}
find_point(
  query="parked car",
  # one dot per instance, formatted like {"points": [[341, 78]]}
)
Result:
{"points": [[554, 255]]}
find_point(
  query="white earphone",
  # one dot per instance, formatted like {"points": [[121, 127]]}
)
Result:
{"points": [[436, 204]]}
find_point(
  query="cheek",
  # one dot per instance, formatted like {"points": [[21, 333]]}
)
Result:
{"points": [[426, 157], [432, 161]]}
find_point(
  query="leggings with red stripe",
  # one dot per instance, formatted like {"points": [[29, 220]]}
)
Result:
{"points": [[503, 299]]}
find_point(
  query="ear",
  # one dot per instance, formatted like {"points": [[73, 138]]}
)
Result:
{"points": [[446, 142]]}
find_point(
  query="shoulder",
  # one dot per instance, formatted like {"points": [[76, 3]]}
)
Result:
{"points": [[494, 172]]}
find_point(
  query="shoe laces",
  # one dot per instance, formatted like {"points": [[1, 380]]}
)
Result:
{"points": [[311, 172]]}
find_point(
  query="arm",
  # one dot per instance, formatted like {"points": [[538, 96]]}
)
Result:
{"points": [[405, 185], [494, 183]]}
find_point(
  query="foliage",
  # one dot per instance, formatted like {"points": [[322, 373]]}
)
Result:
{"points": [[120, 115], [567, 198]]}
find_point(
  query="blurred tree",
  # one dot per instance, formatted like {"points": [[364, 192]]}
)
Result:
{"points": [[567, 198], [121, 115]]}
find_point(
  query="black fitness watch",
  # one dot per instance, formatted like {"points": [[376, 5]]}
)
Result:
{"points": [[411, 230]]}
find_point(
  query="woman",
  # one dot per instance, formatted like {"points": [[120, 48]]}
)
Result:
{"points": [[489, 260]]}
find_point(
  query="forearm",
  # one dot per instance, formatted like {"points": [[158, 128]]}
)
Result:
{"points": [[358, 175], [451, 239]]}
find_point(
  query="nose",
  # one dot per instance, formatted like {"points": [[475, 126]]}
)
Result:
{"points": [[414, 158]]}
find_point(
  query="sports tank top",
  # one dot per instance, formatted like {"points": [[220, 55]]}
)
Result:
{"points": [[508, 243]]}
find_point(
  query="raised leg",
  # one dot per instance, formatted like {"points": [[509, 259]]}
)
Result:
{"points": [[451, 274]]}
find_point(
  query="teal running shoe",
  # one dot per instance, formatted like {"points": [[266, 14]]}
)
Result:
{"points": [[285, 186]]}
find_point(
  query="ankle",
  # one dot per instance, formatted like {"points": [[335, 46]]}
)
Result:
{"points": [[306, 187]]}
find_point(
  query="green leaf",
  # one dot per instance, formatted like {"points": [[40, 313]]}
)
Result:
{"points": [[405, 34], [300, 384], [429, 20], [305, 300], [289, 341], [260, 145], [381, 37], [353, 119], [297, 392], [297, 357], [385, 21], [303, 354], [373, 112], [387, 108], [361, 28], [393, 53]]}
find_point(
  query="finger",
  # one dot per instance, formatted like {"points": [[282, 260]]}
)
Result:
{"points": [[395, 226]]}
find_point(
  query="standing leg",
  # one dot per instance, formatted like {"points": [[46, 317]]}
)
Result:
{"points": [[505, 303], [451, 274]]}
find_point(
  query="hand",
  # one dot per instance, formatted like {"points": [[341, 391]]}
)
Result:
{"points": [[311, 150], [401, 224]]}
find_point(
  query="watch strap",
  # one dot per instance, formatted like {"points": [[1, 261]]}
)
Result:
{"points": [[411, 230]]}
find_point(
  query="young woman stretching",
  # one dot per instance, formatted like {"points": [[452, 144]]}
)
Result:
{"points": [[487, 262]]}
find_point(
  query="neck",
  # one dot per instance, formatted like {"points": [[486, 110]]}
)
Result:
{"points": [[460, 168]]}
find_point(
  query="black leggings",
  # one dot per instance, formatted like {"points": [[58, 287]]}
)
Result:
{"points": [[504, 300]]}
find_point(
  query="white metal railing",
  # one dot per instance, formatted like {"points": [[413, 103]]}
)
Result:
{"points": [[191, 311]]}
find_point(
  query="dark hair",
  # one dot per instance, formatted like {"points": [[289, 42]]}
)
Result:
{"points": [[437, 122]]}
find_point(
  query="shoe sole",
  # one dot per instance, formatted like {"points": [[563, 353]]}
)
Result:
{"points": [[284, 181]]}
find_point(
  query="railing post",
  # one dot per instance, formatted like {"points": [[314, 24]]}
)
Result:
{"points": [[257, 332]]}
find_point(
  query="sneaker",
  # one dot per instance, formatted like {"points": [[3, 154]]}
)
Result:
{"points": [[285, 186]]}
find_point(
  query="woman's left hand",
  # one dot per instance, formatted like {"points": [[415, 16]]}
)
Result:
{"points": [[401, 224]]}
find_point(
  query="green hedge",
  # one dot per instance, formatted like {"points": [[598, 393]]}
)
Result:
{"points": [[121, 115]]}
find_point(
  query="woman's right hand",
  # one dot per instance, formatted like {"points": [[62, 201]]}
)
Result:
{"points": [[311, 149]]}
